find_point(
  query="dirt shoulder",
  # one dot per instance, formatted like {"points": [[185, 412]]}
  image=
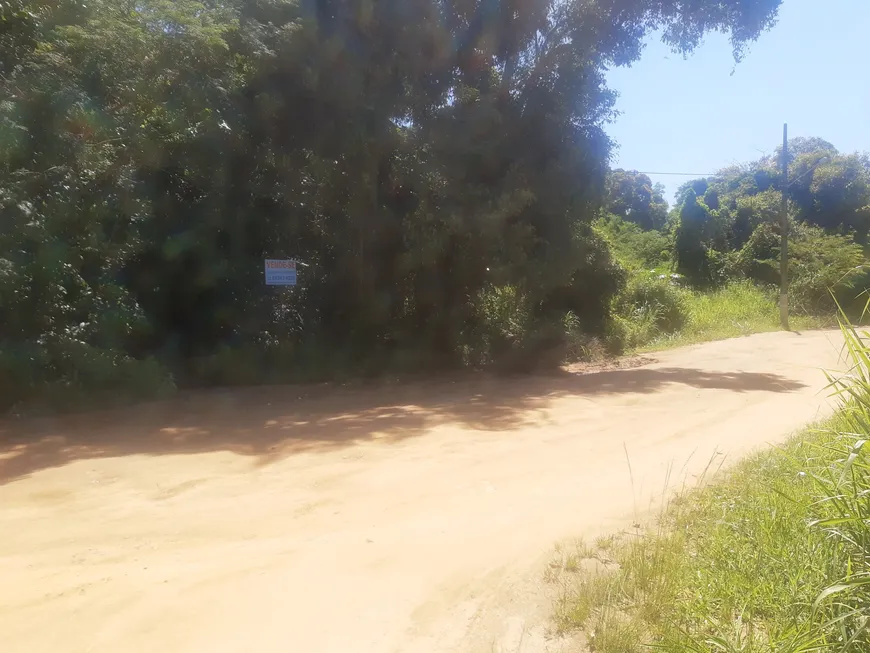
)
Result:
{"points": [[409, 517]]}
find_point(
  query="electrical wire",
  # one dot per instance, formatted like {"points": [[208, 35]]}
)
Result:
{"points": [[680, 174]]}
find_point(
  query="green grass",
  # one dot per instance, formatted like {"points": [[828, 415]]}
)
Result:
{"points": [[738, 309], [737, 560], [774, 557]]}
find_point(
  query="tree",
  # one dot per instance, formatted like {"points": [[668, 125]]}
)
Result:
{"points": [[697, 186], [828, 198], [690, 242], [832, 191], [826, 188], [632, 196], [417, 155]]}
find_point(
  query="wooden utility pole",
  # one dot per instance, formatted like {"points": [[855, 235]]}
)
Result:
{"points": [[783, 235]]}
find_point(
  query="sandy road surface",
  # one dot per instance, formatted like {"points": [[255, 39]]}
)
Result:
{"points": [[410, 518]]}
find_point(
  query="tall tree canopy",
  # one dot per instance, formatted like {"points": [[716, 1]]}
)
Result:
{"points": [[417, 155], [826, 188], [632, 196]]}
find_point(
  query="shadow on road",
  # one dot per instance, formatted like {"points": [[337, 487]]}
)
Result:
{"points": [[273, 422]]}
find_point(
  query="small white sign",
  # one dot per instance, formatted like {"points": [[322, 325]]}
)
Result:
{"points": [[280, 272]]}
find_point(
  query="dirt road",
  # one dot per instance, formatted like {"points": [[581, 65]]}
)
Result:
{"points": [[410, 518]]}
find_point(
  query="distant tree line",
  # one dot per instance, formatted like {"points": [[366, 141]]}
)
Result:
{"points": [[727, 226]]}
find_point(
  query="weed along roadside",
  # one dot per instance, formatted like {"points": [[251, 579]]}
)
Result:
{"points": [[772, 555]]}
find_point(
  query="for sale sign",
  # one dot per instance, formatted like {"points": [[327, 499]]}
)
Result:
{"points": [[280, 272]]}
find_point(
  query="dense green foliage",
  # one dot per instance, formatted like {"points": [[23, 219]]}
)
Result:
{"points": [[724, 233], [633, 247], [694, 229], [659, 313], [633, 197], [728, 227], [424, 158]]}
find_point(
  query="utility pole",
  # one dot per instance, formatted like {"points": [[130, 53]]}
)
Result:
{"points": [[783, 235]]}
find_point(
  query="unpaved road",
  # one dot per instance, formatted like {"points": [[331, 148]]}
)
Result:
{"points": [[411, 518]]}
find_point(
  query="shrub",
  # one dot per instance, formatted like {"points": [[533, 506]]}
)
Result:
{"points": [[632, 331], [69, 374], [757, 260], [649, 307], [67, 329], [819, 265], [694, 231], [632, 246], [502, 319], [661, 299], [510, 336]]}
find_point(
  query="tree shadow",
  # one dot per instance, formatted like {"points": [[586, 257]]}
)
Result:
{"points": [[270, 423]]}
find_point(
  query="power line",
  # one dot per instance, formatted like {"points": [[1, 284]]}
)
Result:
{"points": [[679, 174]]}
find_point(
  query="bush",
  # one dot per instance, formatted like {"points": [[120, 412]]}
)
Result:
{"points": [[632, 331], [632, 246], [502, 319], [68, 374], [67, 329], [736, 309], [649, 307], [757, 260], [657, 296], [511, 337], [819, 264], [695, 230]]}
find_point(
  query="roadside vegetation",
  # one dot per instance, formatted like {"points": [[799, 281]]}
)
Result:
{"points": [[654, 314], [709, 267], [774, 557], [429, 164], [434, 167]]}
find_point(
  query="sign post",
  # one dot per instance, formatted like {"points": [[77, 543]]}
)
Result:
{"points": [[280, 272]]}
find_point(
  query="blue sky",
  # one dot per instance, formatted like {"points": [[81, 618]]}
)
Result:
{"points": [[692, 115]]}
